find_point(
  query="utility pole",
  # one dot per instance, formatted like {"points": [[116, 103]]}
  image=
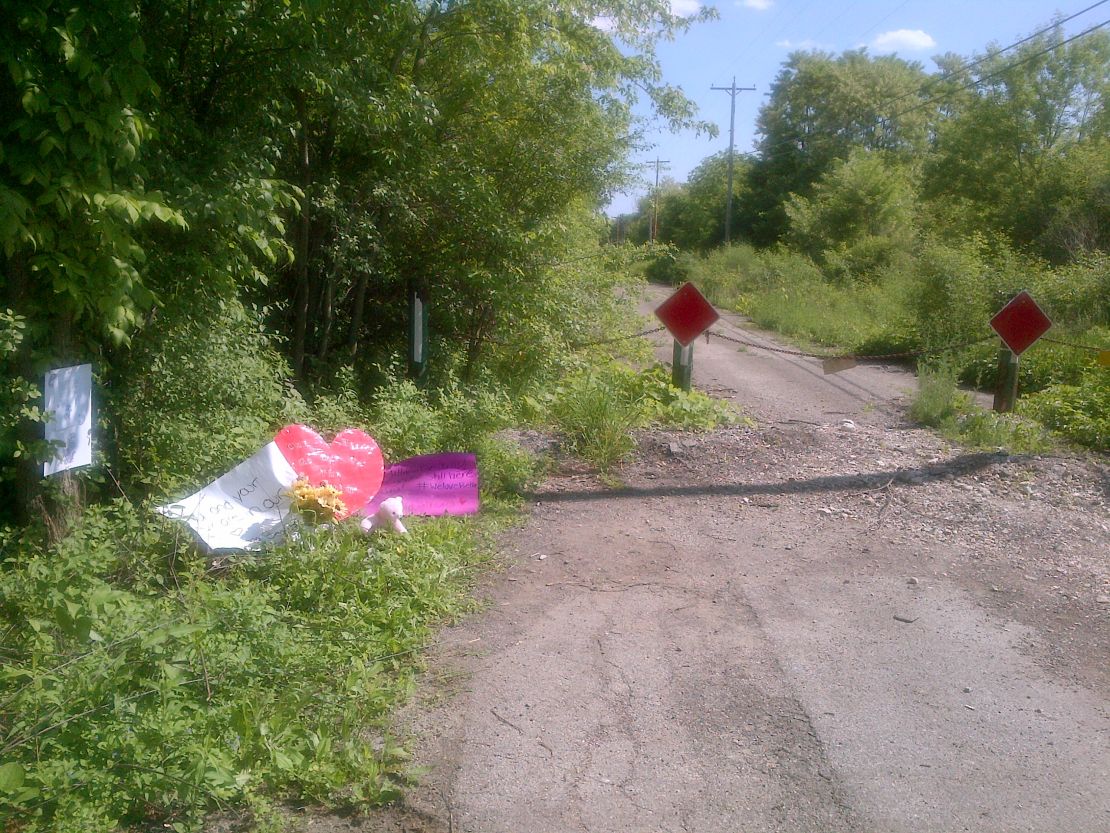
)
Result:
{"points": [[655, 197], [732, 91]]}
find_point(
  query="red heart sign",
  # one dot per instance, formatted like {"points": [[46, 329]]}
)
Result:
{"points": [[352, 462]]}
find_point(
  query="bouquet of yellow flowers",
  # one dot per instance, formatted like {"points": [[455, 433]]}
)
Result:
{"points": [[317, 504]]}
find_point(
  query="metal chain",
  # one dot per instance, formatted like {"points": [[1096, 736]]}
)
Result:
{"points": [[804, 354], [578, 345], [905, 354], [1073, 344]]}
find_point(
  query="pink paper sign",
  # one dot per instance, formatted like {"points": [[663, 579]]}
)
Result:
{"points": [[432, 484]]}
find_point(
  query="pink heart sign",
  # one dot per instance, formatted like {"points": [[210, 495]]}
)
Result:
{"points": [[352, 462]]}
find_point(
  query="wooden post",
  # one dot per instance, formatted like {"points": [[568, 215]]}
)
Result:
{"points": [[418, 331], [1006, 383], [682, 365]]}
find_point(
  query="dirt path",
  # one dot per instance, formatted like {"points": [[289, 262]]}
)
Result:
{"points": [[830, 622]]}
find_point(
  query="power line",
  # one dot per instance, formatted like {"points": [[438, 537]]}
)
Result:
{"points": [[655, 196], [1002, 70], [925, 88], [885, 120]]}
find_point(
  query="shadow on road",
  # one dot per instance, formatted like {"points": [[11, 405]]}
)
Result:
{"points": [[962, 465]]}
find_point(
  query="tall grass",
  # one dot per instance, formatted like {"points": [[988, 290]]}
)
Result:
{"points": [[940, 404], [598, 409]]}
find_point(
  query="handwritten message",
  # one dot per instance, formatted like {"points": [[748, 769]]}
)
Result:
{"points": [[431, 484], [245, 508], [67, 395]]}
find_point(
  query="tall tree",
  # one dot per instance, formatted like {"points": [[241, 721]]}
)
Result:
{"points": [[821, 108], [1024, 118], [73, 196]]}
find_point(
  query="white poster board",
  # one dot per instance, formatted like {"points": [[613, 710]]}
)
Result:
{"points": [[245, 508], [67, 397]]}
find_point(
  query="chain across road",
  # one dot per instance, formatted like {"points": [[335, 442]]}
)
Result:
{"points": [[786, 351]]}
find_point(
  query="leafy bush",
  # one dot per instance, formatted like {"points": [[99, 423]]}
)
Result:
{"points": [[19, 398], [598, 409], [597, 420], [938, 401], [940, 404], [668, 267], [198, 394], [141, 689], [1080, 412]]}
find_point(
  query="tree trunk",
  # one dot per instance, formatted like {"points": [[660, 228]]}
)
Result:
{"points": [[304, 221], [356, 312], [327, 312]]}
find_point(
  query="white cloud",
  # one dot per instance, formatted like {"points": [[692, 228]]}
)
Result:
{"points": [[605, 24], [758, 5], [911, 40], [806, 44], [685, 8]]}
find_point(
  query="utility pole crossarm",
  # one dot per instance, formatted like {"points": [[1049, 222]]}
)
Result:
{"points": [[732, 91]]}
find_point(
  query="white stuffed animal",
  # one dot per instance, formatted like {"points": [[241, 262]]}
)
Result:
{"points": [[388, 516]]}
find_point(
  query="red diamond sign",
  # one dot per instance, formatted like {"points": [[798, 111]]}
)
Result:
{"points": [[686, 314], [1021, 322]]}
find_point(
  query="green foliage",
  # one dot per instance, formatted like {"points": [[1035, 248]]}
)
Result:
{"points": [[198, 393], [19, 400], [938, 400], [597, 420], [940, 404], [1006, 152], [71, 192], [1079, 412], [664, 404], [597, 410], [860, 218], [821, 108], [138, 690]]}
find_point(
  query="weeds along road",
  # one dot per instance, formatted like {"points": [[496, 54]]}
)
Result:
{"points": [[809, 625]]}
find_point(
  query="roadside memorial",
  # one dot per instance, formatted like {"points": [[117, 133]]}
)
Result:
{"points": [[351, 462], [245, 508], [388, 516], [686, 314], [300, 478], [432, 484]]}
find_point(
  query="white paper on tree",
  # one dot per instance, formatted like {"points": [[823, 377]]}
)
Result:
{"points": [[67, 397], [242, 510]]}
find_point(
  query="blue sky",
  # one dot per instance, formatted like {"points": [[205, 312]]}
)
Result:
{"points": [[752, 38]]}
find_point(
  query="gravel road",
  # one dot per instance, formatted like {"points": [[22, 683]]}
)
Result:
{"points": [[833, 621]]}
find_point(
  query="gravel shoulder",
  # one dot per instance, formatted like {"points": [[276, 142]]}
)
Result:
{"points": [[832, 621]]}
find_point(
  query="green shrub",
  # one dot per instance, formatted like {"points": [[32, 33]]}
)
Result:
{"points": [[141, 690], [1079, 412], [596, 418], [938, 400], [198, 394], [668, 267], [598, 409], [940, 404]]}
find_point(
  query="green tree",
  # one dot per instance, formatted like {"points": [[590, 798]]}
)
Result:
{"points": [[73, 196], [821, 108], [1011, 155], [860, 217]]}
